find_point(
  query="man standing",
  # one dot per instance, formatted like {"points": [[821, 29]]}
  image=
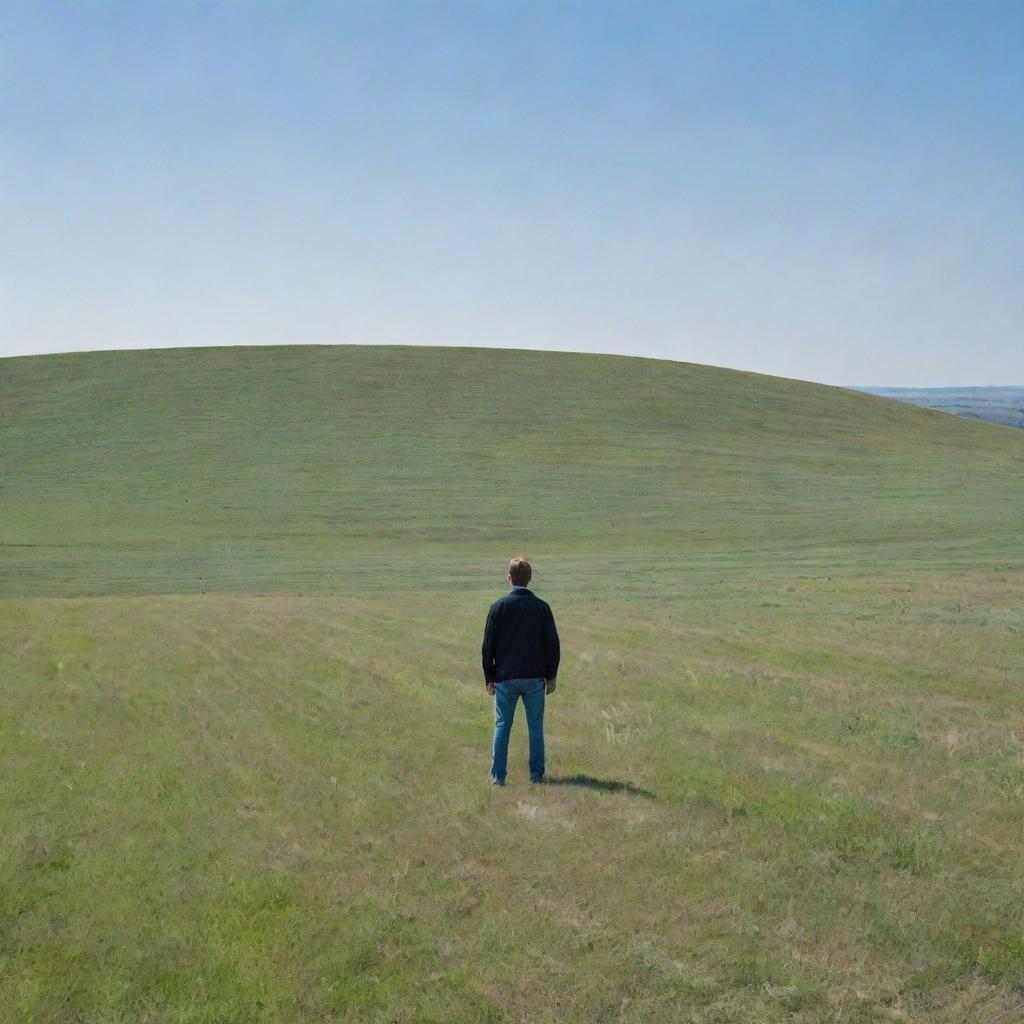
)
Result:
{"points": [[520, 655]]}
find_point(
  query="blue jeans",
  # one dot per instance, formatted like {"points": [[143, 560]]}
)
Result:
{"points": [[506, 694]]}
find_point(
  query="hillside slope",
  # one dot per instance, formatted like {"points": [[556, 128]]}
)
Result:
{"points": [[246, 742], [319, 468]]}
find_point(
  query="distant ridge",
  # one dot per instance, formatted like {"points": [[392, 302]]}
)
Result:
{"points": [[993, 403]]}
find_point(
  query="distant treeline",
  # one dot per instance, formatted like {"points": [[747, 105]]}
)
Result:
{"points": [[1004, 405]]}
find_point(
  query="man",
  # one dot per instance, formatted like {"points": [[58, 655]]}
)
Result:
{"points": [[520, 656]]}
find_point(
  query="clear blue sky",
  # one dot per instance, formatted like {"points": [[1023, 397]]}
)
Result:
{"points": [[831, 191]]}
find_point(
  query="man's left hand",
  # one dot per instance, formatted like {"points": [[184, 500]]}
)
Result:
{"points": [[490, 688]]}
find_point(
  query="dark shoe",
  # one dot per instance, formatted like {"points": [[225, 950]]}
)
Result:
{"points": [[495, 781], [537, 779]]}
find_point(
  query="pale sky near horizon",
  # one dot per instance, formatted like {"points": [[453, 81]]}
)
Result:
{"points": [[829, 191]]}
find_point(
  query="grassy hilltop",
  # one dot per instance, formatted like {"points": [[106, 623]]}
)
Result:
{"points": [[245, 739], [328, 469]]}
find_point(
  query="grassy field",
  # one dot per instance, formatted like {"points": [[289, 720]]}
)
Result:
{"points": [[245, 739]]}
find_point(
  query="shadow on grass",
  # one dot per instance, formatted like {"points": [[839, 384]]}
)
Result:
{"points": [[605, 785]]}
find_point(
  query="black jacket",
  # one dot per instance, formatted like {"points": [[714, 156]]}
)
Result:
{"points": [[520, 639]]}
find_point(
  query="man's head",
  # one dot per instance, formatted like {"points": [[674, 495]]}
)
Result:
{"points": [[519, 572]]}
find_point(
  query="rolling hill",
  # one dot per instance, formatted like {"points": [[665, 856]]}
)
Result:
{"points": [[317, 469], [245, 739]]}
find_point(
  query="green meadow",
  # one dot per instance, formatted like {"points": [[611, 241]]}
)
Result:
{"points": [[244, 740]]}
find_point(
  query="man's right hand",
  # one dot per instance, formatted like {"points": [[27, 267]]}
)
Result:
{"points": [[549, 686]]}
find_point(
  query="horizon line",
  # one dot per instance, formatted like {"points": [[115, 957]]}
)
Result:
{"points": [[499, 348]]}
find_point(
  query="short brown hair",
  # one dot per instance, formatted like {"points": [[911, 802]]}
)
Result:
{"points": [[520, 571]]}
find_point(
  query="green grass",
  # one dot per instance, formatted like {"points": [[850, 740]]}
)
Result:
{"points": [[245, 740]]}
